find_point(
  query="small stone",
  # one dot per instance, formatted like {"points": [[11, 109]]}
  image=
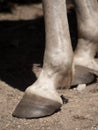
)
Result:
{"points": [[81, 87]]}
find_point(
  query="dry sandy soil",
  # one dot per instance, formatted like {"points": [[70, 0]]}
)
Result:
{"points": [[21, 53]]}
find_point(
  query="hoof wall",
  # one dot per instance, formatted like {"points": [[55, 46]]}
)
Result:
{"points": [[34, 106], [82, 76]]}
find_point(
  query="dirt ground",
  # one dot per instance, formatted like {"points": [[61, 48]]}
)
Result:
{"points": [[21, 53]]}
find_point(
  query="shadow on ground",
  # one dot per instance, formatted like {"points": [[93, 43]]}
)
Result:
{"points": [[21, 46]]}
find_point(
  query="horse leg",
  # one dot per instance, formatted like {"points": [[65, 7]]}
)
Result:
{"points": [[41, 99], [87, 18]]}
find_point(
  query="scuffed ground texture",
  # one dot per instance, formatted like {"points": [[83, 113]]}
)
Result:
{"points": [[21, 53]]}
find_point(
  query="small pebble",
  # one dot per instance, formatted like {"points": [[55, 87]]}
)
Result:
{"points": [[81, 87]]}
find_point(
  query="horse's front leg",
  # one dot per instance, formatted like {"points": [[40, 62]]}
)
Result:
{"points": [[87, 18], [41, 98]]}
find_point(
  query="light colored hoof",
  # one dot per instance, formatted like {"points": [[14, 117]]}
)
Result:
{"points": [[82, 76], [34, 106]]}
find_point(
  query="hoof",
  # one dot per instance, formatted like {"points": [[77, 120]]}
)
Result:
{"points": [[82, 76], [34, 106]]}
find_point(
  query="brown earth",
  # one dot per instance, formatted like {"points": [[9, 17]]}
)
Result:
{"points": [[21, 53]]}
